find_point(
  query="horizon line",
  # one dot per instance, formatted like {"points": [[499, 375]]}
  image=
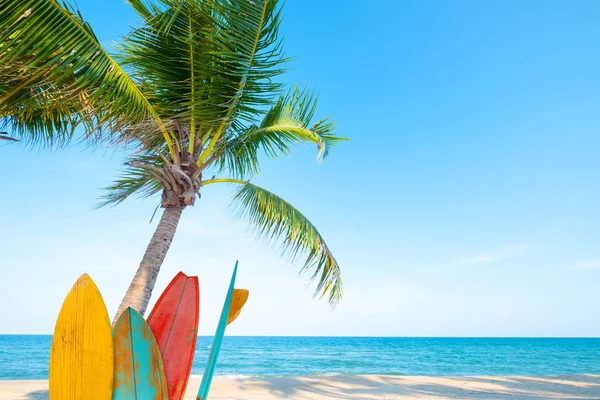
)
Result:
{"points": [[363, 336]]}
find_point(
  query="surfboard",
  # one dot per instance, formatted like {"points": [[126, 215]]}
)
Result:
{"points": [[139, 372], [81, 356], [174, 322], [238, 299], [234, 301]]}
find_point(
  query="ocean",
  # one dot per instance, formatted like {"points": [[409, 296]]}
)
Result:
{"points": [[26, 356]]}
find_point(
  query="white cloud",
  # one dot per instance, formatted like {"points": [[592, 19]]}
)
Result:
{"points": [[480, 259], [587, 265], [495, 255], [484, 258]]}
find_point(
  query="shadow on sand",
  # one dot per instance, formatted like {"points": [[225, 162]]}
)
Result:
{"points": [[575, 387], [565, 387], [37, 395]]}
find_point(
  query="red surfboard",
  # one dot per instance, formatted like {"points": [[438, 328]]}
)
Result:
{"points": [[174, 322]]}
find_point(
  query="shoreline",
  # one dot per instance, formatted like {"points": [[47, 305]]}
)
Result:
{"points": [[363, 387]]}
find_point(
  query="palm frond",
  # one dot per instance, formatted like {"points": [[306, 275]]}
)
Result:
{"points": [[3, 136], [162, 54], [247, 60], [145, 9], [42, 115], [210, 65], [50, 60], [278, 221], [245, 37], [288, 122], [138, 178]]}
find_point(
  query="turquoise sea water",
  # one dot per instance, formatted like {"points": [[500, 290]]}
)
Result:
{"points": [[26, 357]]}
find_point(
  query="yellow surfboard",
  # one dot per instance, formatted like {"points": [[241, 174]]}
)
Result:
{"points": [[81, 356]]}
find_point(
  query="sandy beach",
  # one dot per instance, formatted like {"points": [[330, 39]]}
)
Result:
{"points": [[363, 387]]}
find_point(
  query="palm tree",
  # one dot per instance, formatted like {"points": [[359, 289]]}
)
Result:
{"points": [[194, 94]]}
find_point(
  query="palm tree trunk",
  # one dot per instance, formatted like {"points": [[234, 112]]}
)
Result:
{"points": [[140, 289]]}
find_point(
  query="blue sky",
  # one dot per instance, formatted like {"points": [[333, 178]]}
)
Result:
{"points": [[466, 203]]}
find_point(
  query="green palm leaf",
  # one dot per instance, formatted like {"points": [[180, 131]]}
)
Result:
{"points": [[53, 68], [7, 138], [138, 178], [247, 60], [276, 220], [210, 65], [288, 122]]}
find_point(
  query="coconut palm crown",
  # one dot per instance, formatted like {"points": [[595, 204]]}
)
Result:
{"points": [[194, 94]]}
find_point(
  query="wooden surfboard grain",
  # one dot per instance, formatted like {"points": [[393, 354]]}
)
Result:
{"points": [[81, 356], [174, 322], [216, 346], [139, 372]]}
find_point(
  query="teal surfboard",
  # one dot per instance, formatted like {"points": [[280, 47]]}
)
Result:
{"points": [[216, 346], [139, 371]]}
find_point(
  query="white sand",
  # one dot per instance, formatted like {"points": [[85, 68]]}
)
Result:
{"points": [[368, 387]]}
